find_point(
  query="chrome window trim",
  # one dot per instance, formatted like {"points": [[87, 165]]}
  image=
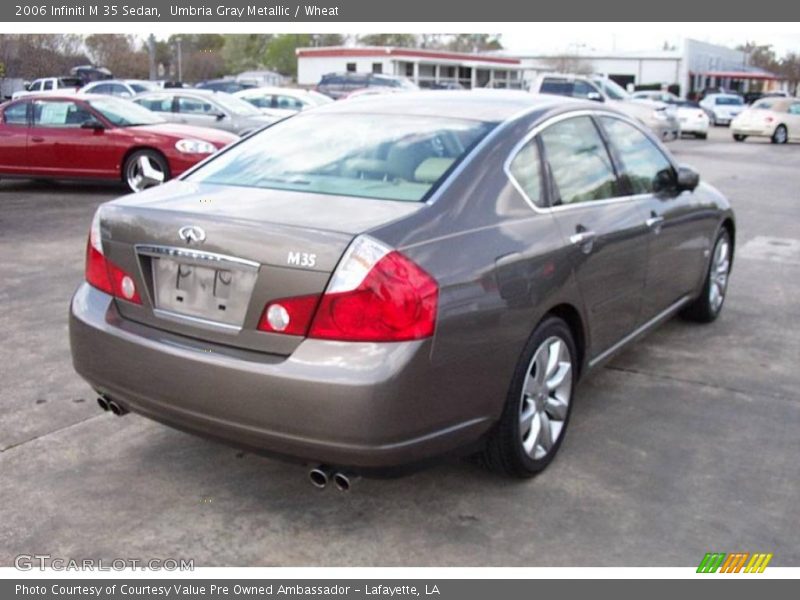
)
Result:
{"points": [[552, 121], [197, 256]]}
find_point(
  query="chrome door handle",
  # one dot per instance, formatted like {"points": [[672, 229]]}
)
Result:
{"points": [[582, 237], [654, 222]]}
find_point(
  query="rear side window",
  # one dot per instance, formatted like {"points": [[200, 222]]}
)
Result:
{"points": [[526, 170], [161, 104], [349, 154], [644, 166], [17, 114], [579, 162], [194, 106], [561, 87]]}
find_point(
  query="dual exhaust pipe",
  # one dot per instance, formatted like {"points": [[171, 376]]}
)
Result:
{"points": [[111, 405], [321, 475]]}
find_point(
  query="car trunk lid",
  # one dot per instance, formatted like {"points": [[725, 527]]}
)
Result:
{"points": [[206, 259]]}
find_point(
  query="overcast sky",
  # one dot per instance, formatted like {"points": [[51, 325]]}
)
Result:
{"points": [[563, 37]]}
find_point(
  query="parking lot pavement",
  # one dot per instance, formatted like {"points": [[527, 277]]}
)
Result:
{"points": [[686, 443]]}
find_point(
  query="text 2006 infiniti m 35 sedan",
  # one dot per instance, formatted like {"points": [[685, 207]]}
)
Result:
{"points": [[374, 283]]}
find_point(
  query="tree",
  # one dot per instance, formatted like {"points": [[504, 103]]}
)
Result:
{"points": [[401, 40], [241, 52], [281, 56], [569, 64], [761, 56], [474, 42], [40, 55], [789, 68], [119, 54]]}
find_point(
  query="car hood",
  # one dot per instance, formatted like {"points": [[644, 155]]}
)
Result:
{"points": [[176, 131]]}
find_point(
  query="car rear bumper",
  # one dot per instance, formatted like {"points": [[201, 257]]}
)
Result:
{"points": [[358, 405]]}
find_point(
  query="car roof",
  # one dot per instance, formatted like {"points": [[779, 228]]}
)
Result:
{"points": [[478, 105], [272, 89]]}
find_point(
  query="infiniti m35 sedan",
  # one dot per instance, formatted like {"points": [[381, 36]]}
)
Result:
{"points": [[373, 284]]}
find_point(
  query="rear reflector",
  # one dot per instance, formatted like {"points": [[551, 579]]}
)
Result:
{"points": [[291, 316]]}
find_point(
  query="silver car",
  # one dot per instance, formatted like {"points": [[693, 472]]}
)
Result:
{"points": [[205, 108]]}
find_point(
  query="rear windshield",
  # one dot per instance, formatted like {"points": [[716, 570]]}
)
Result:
{"points": [[729, 100], [397, 157]]}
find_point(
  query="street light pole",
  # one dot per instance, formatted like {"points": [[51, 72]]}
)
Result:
{"points": [[180, 59]]}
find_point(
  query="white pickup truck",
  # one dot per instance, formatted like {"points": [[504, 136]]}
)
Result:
{"points": [[49, 85]]}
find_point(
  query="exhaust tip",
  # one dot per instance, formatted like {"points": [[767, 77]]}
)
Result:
{"points": [[116, 408], [318, 477], [102, 403], [342, 482]]}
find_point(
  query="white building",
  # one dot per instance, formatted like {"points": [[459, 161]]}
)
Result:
{"points": [[424, 67], [693, 66]]}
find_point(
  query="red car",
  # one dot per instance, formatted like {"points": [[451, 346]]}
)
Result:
{"points": [[98, 137]]}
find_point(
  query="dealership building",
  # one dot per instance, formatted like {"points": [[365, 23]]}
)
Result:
{"points": [[423, 67], [692, 66]]}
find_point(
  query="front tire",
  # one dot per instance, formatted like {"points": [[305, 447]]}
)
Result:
{"points": [[538, 405], [739, 137], [781, 135], [144, 169], [707, 306]]}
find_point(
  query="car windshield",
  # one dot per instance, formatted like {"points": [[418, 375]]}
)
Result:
{"points": [[729, 100], [139, 87], [234, 105], [612, 89], [401, 157], [123, 113]]}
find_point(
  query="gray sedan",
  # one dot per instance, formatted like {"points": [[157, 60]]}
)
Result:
{"points": [[206, 108], [369, 285]]}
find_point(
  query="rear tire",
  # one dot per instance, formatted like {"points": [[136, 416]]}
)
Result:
{"points": [[739, 137], [781, 135], [701, 136], [144, 169], [707, 306], [539, 404]]}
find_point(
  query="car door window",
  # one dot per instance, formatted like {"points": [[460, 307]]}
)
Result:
{"points": [[579, 162], [645, 167], [16, 115], [159, 104], [525, 169], [795, 109], [36, 86], [581, 89], [119, 90], [48, 85], [195, 106], [288, 103], [59, 113]]}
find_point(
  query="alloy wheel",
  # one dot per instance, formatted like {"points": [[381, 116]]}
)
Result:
{"points": [[144, 173], [546, 395], [718, 275]]}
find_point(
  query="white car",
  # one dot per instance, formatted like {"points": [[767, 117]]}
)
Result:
{"points": [[775, 118], [49, 85], [122, 88], [722, 108], [282, 102], [691, 117]]}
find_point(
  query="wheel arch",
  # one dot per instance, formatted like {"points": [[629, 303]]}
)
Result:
{"points": [[572, 317], [729, 226]]}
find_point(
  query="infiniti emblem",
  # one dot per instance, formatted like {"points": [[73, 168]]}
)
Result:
{"points": [[192, 234]]}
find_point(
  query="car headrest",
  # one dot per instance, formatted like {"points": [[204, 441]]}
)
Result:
{"points": [[430, 170]]}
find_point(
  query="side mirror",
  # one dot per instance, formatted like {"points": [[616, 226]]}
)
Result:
{"points": [[220, 116], [688, 179], [595, 96], [94, 124]]}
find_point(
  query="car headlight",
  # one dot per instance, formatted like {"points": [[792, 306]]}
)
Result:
{"points": [[195, 147]]}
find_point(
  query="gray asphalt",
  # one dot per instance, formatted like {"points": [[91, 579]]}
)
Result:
{"points": [[687, 442]]}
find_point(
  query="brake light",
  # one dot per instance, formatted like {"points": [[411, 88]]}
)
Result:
{"points": [[104, 274], [376, 294]]}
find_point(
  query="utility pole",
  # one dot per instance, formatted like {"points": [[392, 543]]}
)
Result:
{"points": [[151, 52], [180, 59]]}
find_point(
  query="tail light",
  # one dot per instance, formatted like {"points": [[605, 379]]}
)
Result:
{"points": [[376, 294], [104, 274]]}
